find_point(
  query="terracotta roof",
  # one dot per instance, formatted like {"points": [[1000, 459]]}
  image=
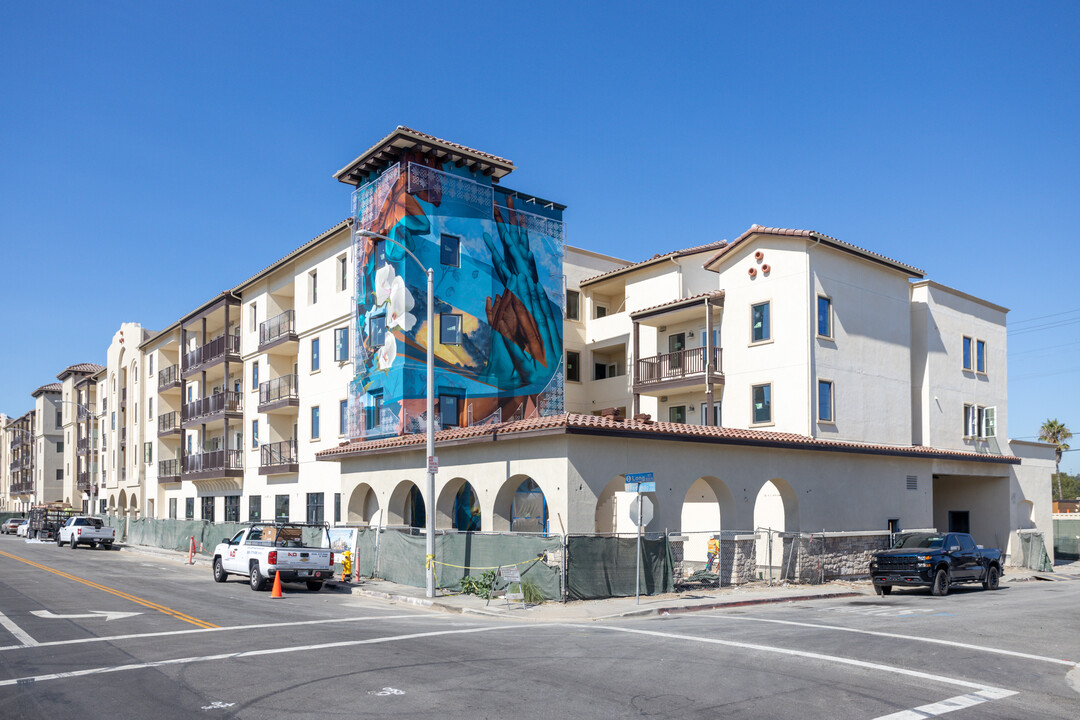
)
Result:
{"points": [[387, 150], [51, 387], [762, 230], [593, 424], [716, 294], [81, 368], [655, 259]]}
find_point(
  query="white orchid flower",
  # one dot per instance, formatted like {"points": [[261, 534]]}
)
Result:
{"points": [[388, 352], [384, 281], [401, 302]]}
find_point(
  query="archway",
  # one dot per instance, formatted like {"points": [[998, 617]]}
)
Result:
{"points": [[406, 506], [775, 508], [458, 506], [521, 506], [708, 507], [121, 503], [363, 504], [613, 508]]}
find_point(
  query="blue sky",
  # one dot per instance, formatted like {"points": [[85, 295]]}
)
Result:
{"points": [[152, 155]]}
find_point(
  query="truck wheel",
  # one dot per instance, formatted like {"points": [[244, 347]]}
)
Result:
{"points": [[256, 580], [219, 571], [59, 542], [883, 589], [73, 543], [314, 586], [992, 579], [107, 545], [941, 584]]}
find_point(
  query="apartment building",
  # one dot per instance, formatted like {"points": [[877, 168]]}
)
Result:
{"points": [[76, 409], [5, 464], [35, 452]]}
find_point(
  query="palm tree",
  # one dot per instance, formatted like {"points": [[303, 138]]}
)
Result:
{"points": [[1056, 433]]}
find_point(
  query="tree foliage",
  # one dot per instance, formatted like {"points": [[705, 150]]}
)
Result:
{"points": [[1068, 486], [1056, 433]]}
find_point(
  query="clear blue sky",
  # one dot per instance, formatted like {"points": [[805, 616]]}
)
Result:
{"points": [[153, 155]]}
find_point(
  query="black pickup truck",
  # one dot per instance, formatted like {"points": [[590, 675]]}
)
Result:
{"points": [[935, 560]]}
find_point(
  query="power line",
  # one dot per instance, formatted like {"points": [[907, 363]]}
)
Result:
{"points": [[1043, 317], [1046, 326]]}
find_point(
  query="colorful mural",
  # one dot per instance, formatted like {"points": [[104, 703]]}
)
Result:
{"points": [[498, 301]]}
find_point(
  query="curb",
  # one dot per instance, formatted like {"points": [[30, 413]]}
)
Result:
{"points": [[758, 601]]}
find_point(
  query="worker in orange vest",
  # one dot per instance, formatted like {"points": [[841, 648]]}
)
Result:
{"points": [[714, 553]]}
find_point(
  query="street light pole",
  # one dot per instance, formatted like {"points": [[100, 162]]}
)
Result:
{"points": [[429, 500]]}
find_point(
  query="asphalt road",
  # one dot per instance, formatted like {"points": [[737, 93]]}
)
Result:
{"points": [[198, 648]]}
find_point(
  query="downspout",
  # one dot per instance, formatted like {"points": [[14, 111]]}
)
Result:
{"points": [[810, 425], [679, 266]]}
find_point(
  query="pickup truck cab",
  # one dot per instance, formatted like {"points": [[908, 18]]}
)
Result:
{"points": [[85, 530], [937, 561], [264, 550]]}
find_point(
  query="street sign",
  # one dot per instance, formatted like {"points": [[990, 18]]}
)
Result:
{"points": [[646, 510], [640, 482], [433, 464]]}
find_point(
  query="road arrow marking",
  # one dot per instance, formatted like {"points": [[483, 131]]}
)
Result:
{"points": [[107, 614]]}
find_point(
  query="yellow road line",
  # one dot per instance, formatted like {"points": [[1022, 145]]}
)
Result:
{"points": [[119, 593]]}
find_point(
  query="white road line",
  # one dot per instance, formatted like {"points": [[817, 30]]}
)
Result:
{"points": [[137, 636], [245, 654], [947, 706], [936, 641], [17, 631]]}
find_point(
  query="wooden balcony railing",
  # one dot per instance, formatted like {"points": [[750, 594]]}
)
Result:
{"points": [[678, 365]]}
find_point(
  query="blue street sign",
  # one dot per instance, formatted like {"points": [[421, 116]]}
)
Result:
{"points": [[640, 482]]}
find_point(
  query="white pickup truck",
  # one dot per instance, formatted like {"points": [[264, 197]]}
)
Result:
{"points": [[85, 530], [267, 549]]}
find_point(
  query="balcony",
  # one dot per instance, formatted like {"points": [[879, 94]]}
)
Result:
{"points": [[279, 393], [223, 347], [24, 487], [123, 398], [278, 458], [82, 482], [82, 446], [123, 437], [168, 424], [683, 369], [83, 413], [216, 407], [168, 471], [168, 378], [22, 439], [213, 465], [278, 330]]}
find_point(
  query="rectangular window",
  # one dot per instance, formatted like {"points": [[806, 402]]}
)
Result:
{"points": [[967, 353], [148, 452], [343, 273], [59, 418], [377, 334], [59, 446], [232, 508], [315, 423], [254, 434], [825, 400], [373, 412], [599, 311], [759, 322], [824, 316], [969, 420], [255, 375], [450, 329], [172, 508], [676, 342], [254, 317], [315, 508], [254, 508], [337, 507], [343, 417], [677, 414], [189, 508], [573, 305], [313, 287], [716, 414], [59, 473], [980, 356], [314, 354], [573, 366], [449, 250], [988, 422], [150, 364], [114, 417], [281, 507], [341, 344], [150, 409], [208, 509], [761, 399], [449, 410]]}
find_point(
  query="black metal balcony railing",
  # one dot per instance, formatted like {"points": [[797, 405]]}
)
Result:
{"points": [[168, 376], [219, 347], [168, 422], [213, 460], [82, 445], [675, 366], [230, 401], [123, 435], [282, 388], [82, 481], [279, 453], [277, 327], [83, 413], [168, 469], [22, 488]]}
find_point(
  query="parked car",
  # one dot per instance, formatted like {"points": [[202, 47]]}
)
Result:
{"points": [[85, 530], [10, 525], [24, 529], [937, 561], [267, 549]]}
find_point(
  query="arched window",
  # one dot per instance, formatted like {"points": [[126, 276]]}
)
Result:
{"points": [[466, 509], [528, 511]]}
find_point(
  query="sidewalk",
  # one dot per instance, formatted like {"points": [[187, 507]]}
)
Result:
{"points": [[757, 593]]}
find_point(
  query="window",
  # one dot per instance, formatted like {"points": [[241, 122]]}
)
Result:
{"points": [[969, 420], [114, 413], [343, 273], [150, 409], [59, 473], [59, 446], [341, 344], [337, 507], [255, 375], [232, 508], [189, 509], [208, 509], [824, 316], [343, 417], [449, 250], [676, 342], [377, 335], [980, 356], [988, 422], [449, 409], [677, 414], [172, 508], [599, 311], [315, 508], [573, 366], [315, 423], [313, 287], [254, 508], [189, 443], [450, 329], [759, 322], [314, 354], [761, 401], [148, 452], [254, 434], [573, 305], [150, 366], [716, 414], [825, 400], [59, 418], [373, 412], [254, 317], [967, 353], [281, 507]]}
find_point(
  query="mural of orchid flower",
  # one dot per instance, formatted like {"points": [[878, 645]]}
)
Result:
{"points": [[384, 280], [401, 302], [388, 352]]}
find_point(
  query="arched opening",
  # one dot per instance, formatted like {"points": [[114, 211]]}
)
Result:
{"points": [[521, 506], [459, 506], [415, 512], [1024, 511], [775, 508], [613, 508], [363, 504], [708, 508], [112, 504], [133, 505], [121, 503]]}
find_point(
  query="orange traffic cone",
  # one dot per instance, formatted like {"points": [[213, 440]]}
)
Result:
{"points": [[276, 592]]}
